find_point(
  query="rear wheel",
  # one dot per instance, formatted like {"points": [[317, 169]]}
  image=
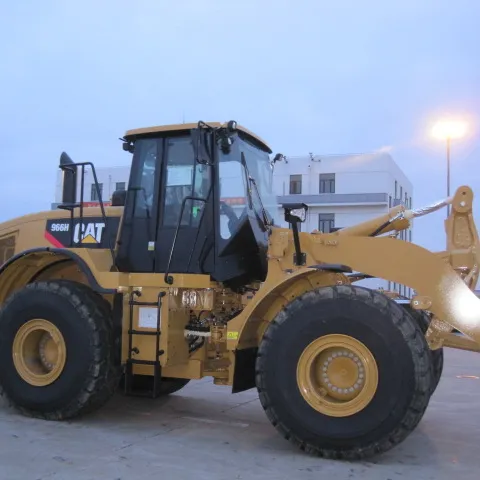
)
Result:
{"points": [[344, 372], [56, 350]]}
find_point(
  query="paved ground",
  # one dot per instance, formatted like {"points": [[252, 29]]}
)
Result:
{"points": [[203, 432]]}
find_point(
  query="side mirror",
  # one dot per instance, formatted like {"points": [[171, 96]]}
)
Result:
{"points": [[295, 212], [69, 169]]}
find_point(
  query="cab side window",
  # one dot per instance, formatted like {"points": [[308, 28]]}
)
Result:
{"points": [[232, 194], [184, 178]]}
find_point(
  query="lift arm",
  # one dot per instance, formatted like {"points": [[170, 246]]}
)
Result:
{"points": [[443, 282]]}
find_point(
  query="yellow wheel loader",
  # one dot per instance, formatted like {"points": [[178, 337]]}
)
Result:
{"points": [[187, 274]]}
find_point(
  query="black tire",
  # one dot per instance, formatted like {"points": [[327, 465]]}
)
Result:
{"points": [[400, 351], [423, 321], [115, 366], [89, 377], [144, 383]]}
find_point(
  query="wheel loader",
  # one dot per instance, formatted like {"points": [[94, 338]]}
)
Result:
{"points": [[187, 274]]}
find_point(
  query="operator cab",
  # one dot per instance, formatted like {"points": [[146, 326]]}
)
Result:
{"points": [[199, 200]]}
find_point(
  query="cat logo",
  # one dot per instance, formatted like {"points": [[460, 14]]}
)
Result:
{"points": [[90, 233]]}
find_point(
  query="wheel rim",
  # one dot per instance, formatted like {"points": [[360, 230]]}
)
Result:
{"points": [[337, 375], [39, 352]]}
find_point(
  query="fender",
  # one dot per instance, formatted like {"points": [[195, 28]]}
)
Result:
{"points": [[23, 267], [439, 288], [329, 267], [435, 277], [280, 287], [244, 332]]}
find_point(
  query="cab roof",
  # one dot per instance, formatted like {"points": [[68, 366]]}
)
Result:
{"points": [[140, 132]]}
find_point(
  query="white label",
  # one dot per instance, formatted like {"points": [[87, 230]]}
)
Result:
{"points": [[59, 227], [89, 233], [147, 317], [179, 175]]}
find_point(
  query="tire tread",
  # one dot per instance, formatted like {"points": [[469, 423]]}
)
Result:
{"points": [[102, 379], [404, 322]]}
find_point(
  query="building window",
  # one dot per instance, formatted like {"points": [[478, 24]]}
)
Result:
{"points": [[120, 186], [94, 194], [326, 222], [327, 183], [295, 184]]}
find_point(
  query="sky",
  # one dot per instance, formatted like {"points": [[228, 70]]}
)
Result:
{"points": [[308, 76]]}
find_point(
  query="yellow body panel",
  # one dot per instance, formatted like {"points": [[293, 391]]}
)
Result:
{"points": [[443, 283]]}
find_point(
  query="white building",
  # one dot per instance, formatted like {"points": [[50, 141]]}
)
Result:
{"points": [[340, 190]]}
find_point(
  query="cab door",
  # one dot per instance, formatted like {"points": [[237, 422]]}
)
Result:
{"points": [[135, 248], [185, 239]]}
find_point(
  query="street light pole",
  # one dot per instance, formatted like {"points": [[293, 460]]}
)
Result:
{"points": [[448, 130], [448, 174]]}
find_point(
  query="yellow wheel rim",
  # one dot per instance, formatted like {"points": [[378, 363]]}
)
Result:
{"points": [[337, 375], [39, 352]]}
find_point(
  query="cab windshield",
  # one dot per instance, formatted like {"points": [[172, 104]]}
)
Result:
{"points": [[239, 185]]}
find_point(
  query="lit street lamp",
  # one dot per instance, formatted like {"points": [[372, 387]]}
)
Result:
{"points": [[448, 130]]}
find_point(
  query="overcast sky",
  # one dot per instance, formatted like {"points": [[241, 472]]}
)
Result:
{"points": [[308, 76]]}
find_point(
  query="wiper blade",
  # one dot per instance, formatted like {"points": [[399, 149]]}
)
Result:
{"points": [[252, 181], [264, 210], [248, 178]]}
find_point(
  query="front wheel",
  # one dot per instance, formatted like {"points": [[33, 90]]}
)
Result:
{"points": [[344, 372]]}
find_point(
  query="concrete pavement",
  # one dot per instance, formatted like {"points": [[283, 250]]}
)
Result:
{"points": [[204, 432]]}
